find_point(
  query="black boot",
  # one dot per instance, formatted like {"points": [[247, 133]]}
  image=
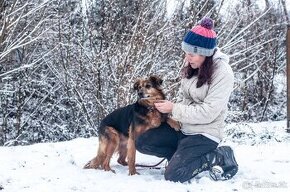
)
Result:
{"points": [[209, 160], [214, 158], [227, 167]]}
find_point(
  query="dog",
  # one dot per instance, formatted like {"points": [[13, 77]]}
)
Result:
{"points": [[119, 129]]}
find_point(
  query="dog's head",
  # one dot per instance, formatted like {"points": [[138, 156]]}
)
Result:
{"points": [[149, 88]]}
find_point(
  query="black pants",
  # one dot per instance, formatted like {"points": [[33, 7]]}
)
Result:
{"points": [[184, 152]]}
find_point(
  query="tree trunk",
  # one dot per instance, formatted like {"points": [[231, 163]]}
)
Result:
{"points": [[288, 79], [285, 11]]}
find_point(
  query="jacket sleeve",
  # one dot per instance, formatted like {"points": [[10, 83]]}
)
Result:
{"points": [[215, 101], [180, 95]]}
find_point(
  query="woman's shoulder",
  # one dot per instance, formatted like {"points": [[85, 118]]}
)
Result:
{"points": [[221, 62], [219, 56]]}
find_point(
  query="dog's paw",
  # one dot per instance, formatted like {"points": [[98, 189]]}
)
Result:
{"points": [[122, 162], [87, 165], [133, 172], [174, 124], [91, 165]]}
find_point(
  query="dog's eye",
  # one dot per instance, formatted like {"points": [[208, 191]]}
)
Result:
{"points": [[148, 86]]}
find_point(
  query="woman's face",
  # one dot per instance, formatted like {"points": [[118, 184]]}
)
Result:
{"points": [[195, 61]]}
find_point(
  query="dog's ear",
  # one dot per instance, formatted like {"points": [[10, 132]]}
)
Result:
{"points": [[136, 84], [157, 81]]}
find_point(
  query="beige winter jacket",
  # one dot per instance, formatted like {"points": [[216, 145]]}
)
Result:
{"points": [[203, 110]]}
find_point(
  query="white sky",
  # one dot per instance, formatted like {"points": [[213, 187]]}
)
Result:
{"points": [[171, 4]]}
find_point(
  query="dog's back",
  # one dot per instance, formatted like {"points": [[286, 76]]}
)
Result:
{"points": [[120, 119]]}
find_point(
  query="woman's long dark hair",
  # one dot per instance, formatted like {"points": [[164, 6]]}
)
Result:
{"points": [[204, 73]]}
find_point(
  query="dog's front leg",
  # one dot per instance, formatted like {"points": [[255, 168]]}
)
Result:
{"points": [[131, 154], [174, 124]]}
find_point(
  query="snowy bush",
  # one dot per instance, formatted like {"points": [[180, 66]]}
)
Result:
{"points": [[253, 134], [64, 64]]}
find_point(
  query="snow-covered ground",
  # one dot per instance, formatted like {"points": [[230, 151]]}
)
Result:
{"points": [[262, 151]]}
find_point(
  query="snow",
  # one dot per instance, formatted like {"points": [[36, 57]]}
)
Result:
{"points": [[264, 163]]}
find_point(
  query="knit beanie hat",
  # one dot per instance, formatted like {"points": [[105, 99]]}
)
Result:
{"points": [[201, 39]]}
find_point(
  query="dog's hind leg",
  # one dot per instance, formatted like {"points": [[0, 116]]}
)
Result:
{"points": [[123, 150], [96, 162], [114, 139]]}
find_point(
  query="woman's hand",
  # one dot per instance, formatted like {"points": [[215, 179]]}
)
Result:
{"points": [[164, 106]]}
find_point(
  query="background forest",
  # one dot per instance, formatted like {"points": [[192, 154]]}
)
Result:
{"points": [[64, 64]]}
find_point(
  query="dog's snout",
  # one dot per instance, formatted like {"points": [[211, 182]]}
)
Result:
{"points": [[143, 93]]}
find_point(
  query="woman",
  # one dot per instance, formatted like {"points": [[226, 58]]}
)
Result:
{"points": [[205, 90]]}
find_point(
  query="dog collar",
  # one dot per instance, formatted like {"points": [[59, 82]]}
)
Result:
{"points": [[151, 108]]}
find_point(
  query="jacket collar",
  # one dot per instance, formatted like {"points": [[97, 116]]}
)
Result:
{"points": [[220, 57]]}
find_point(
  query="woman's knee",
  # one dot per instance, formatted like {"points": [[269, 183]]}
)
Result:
{"points": [[177, 174], [139, 143], [161, 136], [170, 175]]}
